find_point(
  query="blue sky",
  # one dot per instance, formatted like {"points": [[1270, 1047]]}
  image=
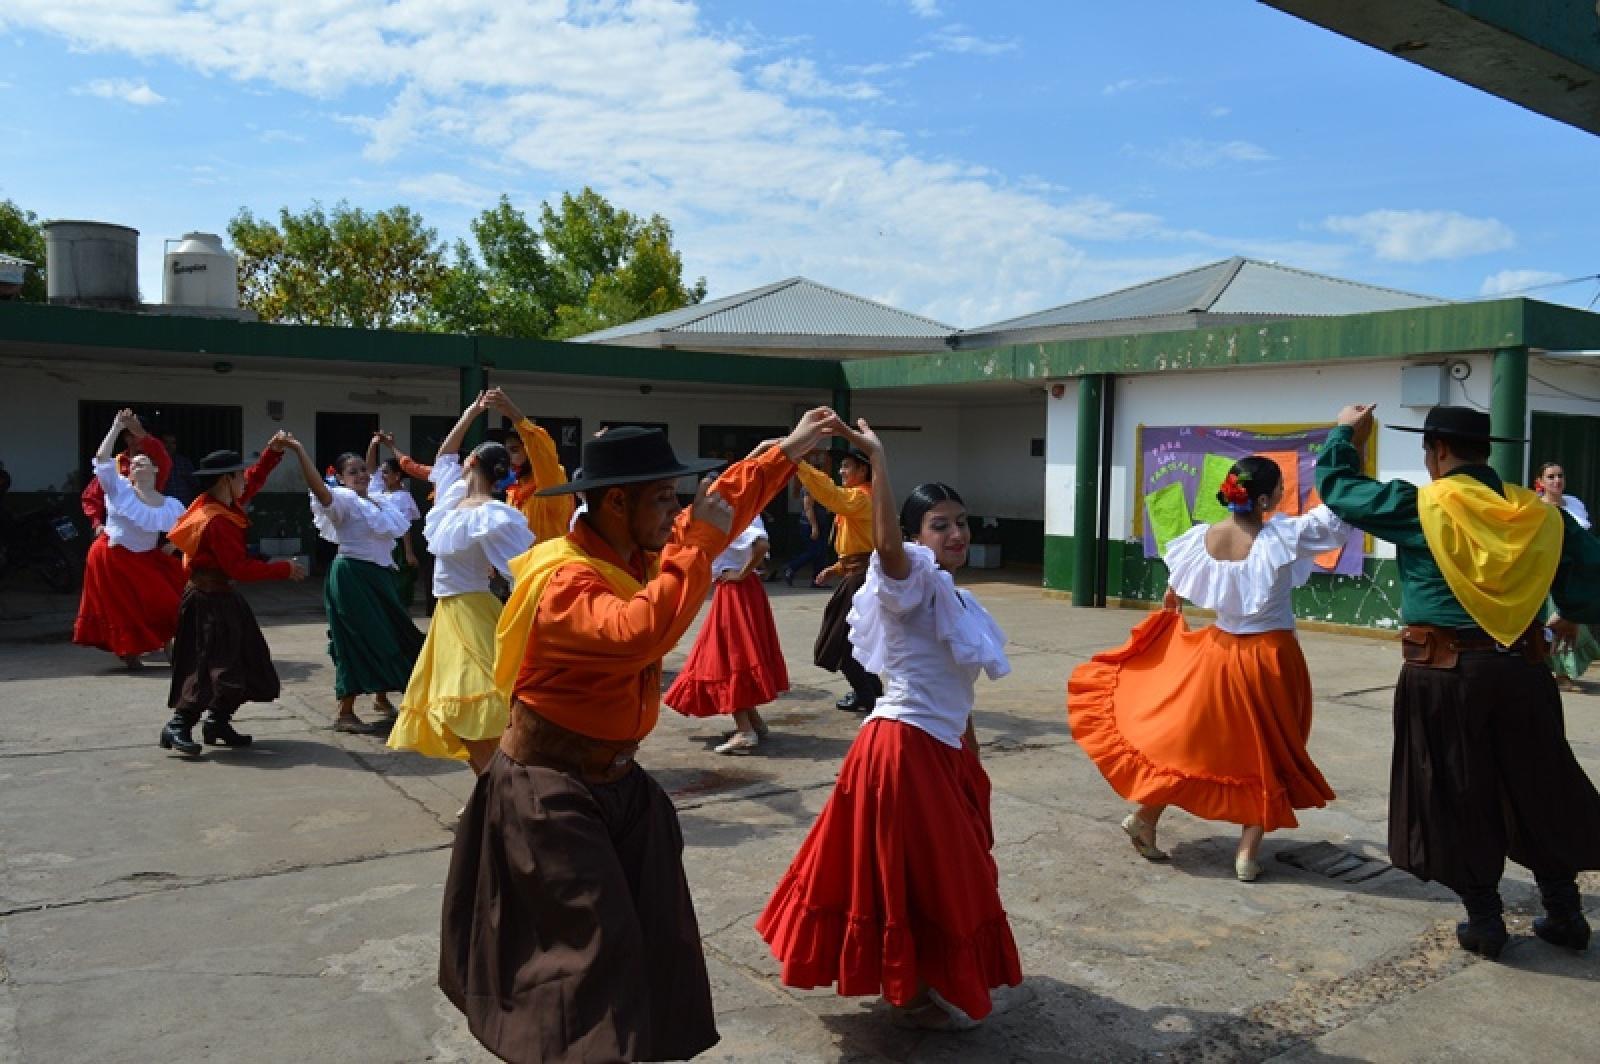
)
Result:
{"points": [[970, 161]]}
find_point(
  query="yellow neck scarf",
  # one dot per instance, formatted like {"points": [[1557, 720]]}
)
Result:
{"points": [[1498, 554], [531, 573]]}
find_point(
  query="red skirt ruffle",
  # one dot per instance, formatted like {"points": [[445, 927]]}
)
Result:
{"points": [[895, 887], [1213, 723], [737, 661], [130, 599]]}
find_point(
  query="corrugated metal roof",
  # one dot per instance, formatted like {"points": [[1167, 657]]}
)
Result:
{"points": [[792, 307], [1232, 286]]}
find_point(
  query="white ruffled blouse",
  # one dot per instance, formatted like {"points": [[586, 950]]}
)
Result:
{"points": [[132, 523], [736, 555], [1252, 595], [364, 528], [928, 640], [468, 544], [401, 499]]}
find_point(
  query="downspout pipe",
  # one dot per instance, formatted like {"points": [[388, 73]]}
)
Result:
{"points": [[1108, 423], [1508, 413], [1086, 497]]}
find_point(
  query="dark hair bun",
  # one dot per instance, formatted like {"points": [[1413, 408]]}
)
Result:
{"points": [[493, 459], [1257, 475]]}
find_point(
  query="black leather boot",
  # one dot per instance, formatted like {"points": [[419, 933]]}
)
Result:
{"points": [[178, 735], [1484, 930], [218, 731], [1563, 923]]}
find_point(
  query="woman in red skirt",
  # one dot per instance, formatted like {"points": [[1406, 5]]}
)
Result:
{"points": [[131, 585], [737, 662], [894, 891]]}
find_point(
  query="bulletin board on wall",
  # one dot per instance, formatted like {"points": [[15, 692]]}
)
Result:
{"points": [[1180, 467]]}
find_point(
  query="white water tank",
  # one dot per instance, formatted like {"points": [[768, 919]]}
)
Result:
{"points": [[91, 263], [199, 272]]}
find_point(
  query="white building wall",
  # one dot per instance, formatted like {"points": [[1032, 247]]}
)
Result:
{"points": [[923, 439], [999, 476], [1296, 395]]}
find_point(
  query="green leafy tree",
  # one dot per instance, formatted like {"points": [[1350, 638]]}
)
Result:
{"points": [[587, 265], [21, 235], [347, 266]]}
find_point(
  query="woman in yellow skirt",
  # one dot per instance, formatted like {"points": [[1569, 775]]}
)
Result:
{"points": [[451, 708]]}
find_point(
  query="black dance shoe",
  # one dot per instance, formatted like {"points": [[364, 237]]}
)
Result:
{"points": [[1571, 931], [178, 735], [1486, 938], [219, 732], [855, 703]]}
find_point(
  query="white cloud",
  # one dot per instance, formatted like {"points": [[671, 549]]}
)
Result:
{"points": [[958, 39], [1423, 236], [925, 8], [280, 136], [799, 78], [1219, 112], [1117, 88], [659, 112], [1193, 153], [1515, 282], [448, 188], [127, 90]]}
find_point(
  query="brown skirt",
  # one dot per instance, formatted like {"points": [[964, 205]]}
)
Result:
{"points": [[568, 931], [219, 656], [1482, 771], [833, 641]]}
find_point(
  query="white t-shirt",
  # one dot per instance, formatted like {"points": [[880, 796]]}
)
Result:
{"points": [[466, 544], [364, 528], [132, 523], [736, 555], [929, 640], [1252, 595]]}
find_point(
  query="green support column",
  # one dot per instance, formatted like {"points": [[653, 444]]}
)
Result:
{"points": [[1086, 496], [474, 379], [841, 404], [1508, 412]]}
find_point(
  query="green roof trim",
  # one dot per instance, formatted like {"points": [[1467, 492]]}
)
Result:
{"points": [[36, 323], [1408, 333]]}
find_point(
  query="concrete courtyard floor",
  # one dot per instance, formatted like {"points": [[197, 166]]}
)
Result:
{"points": [[281, 903]]}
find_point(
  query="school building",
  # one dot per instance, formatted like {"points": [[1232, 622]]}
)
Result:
{"points": [[1037, 420]]}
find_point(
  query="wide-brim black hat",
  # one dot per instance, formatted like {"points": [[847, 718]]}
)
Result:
{"points": [[1458, 422], [220, 463], [630, 455]]}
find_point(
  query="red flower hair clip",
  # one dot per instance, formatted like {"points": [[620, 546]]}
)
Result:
{"points": [[1234, 491]]}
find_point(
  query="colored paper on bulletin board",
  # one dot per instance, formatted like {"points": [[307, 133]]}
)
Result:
{"points": [[1213, 471], [1328, 560], [1169, 514], [1288, 463]]}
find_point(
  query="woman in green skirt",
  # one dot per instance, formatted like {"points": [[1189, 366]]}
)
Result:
{"points": [[370, 635]]}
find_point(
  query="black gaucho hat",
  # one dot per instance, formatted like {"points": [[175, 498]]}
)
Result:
{"points": [[1459, 423], [220, 463], [630, 455]]}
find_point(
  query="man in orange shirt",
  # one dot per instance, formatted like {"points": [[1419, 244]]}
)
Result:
{"points": [[568, 931], [850, 501]]}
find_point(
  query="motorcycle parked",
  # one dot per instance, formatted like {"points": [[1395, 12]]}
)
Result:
{"points": [[46, 541]]}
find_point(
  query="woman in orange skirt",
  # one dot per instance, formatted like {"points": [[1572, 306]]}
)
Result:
{"points": [[131, 585], [1215, 720], [737, 662], [895, 891]]}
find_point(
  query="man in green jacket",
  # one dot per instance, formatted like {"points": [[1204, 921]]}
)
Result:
{"points": [[1481, 768]]}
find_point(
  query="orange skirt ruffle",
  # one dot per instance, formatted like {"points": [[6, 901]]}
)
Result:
{"points": [[1213, 723]]}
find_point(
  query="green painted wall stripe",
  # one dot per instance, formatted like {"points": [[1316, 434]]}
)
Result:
{"points": [[1390, 334]]}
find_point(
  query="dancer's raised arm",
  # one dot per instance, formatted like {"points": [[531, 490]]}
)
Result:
{"points": [[451, 444], [885, 522], [308, 469]]}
